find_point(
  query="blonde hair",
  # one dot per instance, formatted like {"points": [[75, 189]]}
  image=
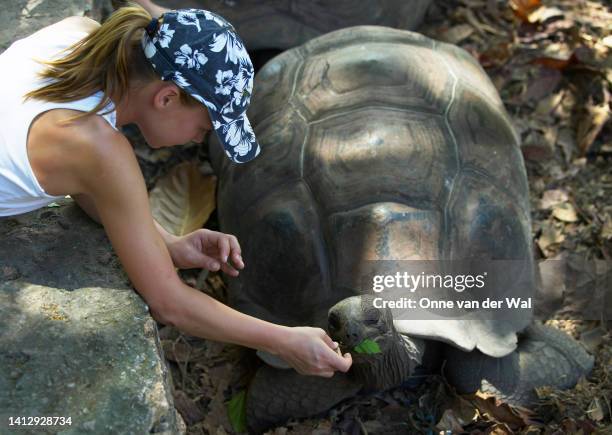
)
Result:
{"points": [[108, 59]]}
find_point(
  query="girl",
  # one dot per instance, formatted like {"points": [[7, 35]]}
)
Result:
{"points": [[177, 78]]}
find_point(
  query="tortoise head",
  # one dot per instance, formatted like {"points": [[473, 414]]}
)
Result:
{"points": [[354, 321]]}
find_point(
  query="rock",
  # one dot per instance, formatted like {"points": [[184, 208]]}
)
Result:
{"points": [[9, 273], [75, 339], [21, 18]]}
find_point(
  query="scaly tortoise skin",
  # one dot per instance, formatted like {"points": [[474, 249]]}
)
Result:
{"points": [[381, 144]]}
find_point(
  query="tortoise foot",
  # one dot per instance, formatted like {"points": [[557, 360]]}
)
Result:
{"points": [[275, 396], [544, 356]]}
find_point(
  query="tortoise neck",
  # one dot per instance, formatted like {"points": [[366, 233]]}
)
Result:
{"points": [[391, 368]]}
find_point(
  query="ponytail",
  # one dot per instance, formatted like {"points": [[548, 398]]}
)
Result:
{"points": [[107, 60]]}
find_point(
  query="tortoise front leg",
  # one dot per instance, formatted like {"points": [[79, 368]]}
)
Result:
{"points": [[276, 395], [544, 356]]}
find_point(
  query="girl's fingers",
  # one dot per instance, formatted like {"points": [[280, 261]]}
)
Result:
{"points": [[237, 260], [327, 339], [225, 267], [224, 248], [233, 241]]}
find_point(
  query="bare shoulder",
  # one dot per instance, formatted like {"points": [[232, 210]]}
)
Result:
{"points": [[67, 157], [92, 129], [105, 161], [95, 143]]}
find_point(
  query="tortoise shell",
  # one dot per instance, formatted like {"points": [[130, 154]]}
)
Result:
{"points": [[377, 144]]}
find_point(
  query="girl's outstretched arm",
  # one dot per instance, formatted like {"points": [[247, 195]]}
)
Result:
{"points": [[191, 250], [109, 174]]}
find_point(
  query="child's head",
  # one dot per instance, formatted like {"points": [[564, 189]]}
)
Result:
{"points": [[191, 56], [201, 53]]}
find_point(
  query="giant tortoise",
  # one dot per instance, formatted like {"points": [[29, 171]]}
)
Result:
{"points": [[282, 24], [378, 145]]}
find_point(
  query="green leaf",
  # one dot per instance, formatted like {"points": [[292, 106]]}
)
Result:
{"points": [[367, 346], [236, 409]]}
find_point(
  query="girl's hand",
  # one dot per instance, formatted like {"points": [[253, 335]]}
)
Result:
{"points": [[207, 249], [310, 351]]}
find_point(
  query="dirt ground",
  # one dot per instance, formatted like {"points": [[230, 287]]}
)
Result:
{"points": [[551, 62]]}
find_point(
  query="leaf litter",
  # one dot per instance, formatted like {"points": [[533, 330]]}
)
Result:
{"points": [[551, 63]]}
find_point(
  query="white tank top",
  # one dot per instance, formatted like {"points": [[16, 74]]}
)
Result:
{"points": [[20, 192]]}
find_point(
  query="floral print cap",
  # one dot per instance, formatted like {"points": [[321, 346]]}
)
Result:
{"points": [[201, 52]]}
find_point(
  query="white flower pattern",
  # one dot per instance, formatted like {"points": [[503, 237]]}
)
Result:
{"points": [[234, 49], [149, 48], [214, 18], [226, 81], [178, 78], [243, 87], [165, 35], [239, 134], [189, 57], [189, 19]]}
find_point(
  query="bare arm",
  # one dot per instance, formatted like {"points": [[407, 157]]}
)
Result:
{"points": [[88, 206], [201, 306], [117, 190]]}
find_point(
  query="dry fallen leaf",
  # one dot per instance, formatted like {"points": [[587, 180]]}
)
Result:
{"points": [[551, 235], [565, 212], [553, 197], [189, 410], [449, 422], [217, 418], [567, 141], [549, 104], [543, 84], [177, 351], [557, 55], [480, 27], [460, 413], [544, 13], [182, 201], [456, 34], [500, 429], [606, 228], [596, 411], [522, 8], [513, 417], [538, 146], [591, 124], [495, 55]]}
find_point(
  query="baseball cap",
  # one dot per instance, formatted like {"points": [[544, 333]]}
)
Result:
{"points": [[202, 54]]}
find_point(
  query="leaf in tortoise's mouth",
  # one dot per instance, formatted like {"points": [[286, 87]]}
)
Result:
{"points": [[368, 347]]}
